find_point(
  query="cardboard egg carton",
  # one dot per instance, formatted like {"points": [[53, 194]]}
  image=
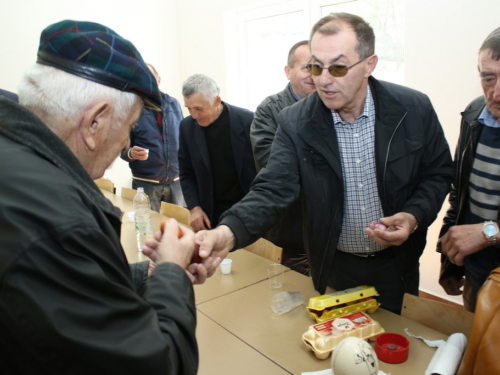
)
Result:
{"points": [[322, 338], [329, 306]]}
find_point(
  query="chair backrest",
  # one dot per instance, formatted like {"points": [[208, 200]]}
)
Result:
{"points": [[181, 214], [266, 249], [128, 193], [105, 184], [444, 318]]}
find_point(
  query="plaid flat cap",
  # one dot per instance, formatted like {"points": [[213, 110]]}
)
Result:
{"points": [[95, 52]]}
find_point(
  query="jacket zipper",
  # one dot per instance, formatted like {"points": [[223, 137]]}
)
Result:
{"points": [[384, 184], [387, 155]]}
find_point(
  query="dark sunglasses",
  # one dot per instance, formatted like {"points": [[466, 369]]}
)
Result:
{"points": [[335, 70]]}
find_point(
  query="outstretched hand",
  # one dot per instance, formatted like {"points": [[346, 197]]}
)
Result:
{"points": [[214, 245]]}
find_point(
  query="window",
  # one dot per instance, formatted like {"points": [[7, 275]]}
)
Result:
{"points": [[259, 38]]}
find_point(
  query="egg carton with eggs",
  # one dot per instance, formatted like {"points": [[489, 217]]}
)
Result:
{"points": [[322, 338]]}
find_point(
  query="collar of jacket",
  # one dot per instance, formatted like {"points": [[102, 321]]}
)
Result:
{"points": [[24, 127], [472, 112]]}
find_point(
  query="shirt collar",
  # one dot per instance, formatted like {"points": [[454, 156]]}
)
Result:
{"points": [[487, 118], [293, 94], [366, 112]]}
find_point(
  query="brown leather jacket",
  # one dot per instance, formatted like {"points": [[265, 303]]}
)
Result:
{"points": [[481, 356]]}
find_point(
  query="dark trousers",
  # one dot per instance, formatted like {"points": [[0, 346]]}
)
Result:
{"points": [[381, 272], [296, 262]]}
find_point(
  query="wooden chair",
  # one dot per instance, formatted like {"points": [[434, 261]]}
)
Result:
{"points": [[181, 214], [266, 249], [105, 184], [439, 316], [128, 193]]}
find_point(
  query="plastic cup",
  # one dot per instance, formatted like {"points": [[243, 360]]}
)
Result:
{"points": [[284, 302], [275, 275], [225, 266]]}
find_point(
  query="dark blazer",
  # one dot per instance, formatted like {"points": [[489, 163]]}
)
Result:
{"points": [[194, 161]]}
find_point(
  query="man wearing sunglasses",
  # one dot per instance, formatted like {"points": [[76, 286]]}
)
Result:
{"points": [[287, 232], [356, 152]]}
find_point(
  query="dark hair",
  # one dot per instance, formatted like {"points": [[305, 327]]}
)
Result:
{"points": [[492, 42], [291, 53], [335, 22]]}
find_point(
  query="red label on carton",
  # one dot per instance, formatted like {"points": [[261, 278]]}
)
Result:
{"points": [[343, 324]]}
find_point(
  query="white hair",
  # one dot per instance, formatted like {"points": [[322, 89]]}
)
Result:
{"points": [[203, 84], [65, 96]]}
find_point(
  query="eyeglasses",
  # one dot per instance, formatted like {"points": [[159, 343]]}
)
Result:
{"points": [[335, 70]]}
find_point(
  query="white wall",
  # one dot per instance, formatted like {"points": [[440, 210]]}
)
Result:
{"points": [[151, 25], [187, 36]]}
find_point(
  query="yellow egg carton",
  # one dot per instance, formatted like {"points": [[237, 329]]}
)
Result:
{"points": [[322, 338], [329, 306]]}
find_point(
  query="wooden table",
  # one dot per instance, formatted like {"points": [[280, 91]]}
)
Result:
{"points": [[237, 332], [246, 313]]}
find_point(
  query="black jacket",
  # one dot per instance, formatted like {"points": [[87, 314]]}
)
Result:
{"points": [[413, 164], [194, 159], [470, 130], [287, 232], [68, 301]]}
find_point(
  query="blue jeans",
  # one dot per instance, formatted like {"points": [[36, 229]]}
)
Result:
{"points": [[157, 193]]}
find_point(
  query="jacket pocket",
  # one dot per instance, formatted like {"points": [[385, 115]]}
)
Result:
{"points": [[403, 164]]}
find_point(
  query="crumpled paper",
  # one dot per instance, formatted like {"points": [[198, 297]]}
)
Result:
{"points": [[448, 356]]}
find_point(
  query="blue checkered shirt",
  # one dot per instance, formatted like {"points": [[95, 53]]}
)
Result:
{"points": [[361, 199]]}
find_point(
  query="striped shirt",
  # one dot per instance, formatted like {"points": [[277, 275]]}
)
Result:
{"points": [[484, 193], [361, 199]]}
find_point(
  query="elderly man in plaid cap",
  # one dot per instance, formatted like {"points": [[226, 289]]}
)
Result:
{"points": [[69, 302]]}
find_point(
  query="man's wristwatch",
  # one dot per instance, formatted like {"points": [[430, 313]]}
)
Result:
{"points": [[490, 230]]}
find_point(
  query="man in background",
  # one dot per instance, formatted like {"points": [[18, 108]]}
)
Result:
{"points": [[69, 301], [469, 237], [287, 232], [215, 154], [356, 152], [152, 155]]}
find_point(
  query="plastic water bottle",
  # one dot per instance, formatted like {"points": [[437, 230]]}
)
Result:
{"points": [[143, 224]]}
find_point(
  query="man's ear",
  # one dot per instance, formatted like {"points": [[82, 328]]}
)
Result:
{"points": [[218, 100], [287, 71], [371, 64], [93, 122]]}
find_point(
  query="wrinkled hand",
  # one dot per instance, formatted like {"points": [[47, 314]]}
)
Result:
{"points": [[169, 248], [463, 240], [399, 228], [139, 153], [214, 246], [452, 285], [199, 220]]}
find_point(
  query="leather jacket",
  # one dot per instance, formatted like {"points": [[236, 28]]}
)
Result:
{"points": [[413, 164], [470, 129], [287, 231]]}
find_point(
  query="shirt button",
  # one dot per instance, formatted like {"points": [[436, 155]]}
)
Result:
{"points": [[358, 161], [363, 208], [355, 135], [367, 248], [360, 185]]}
